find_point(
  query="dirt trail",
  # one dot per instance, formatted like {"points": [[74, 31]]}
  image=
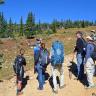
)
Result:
{"points": [[73, 87]]}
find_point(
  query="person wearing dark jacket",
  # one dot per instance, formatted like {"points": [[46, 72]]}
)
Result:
{"points": [[19, 68], [80, 50]]}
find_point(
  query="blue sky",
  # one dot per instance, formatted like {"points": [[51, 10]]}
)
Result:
{"points": [[47, 10]]}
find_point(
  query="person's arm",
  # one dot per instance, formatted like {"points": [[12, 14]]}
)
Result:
{"points": [[24, 64], [89, 50], [51, 52], [74, 52]]}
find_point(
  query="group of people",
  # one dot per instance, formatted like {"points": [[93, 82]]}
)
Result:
{"points": [[42, 57], [85, 54]]}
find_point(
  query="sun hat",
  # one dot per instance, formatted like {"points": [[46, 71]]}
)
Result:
{"points": [[89, 38]]}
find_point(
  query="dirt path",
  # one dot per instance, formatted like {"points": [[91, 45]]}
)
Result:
{"points": [[73, 87]]}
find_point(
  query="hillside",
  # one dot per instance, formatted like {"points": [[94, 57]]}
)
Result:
{"points": [[10, 47]]}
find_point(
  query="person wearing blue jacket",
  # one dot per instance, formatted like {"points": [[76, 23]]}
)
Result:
{"points": [[41, 65], [89, 62]]}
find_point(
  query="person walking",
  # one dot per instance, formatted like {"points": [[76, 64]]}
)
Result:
{"points": [[57, 63], [19, 68], [41, 65], [89, 62], [80, 54], [36, 48]]}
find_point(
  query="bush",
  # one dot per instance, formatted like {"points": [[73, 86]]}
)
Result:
{"points": [[49, 32]]}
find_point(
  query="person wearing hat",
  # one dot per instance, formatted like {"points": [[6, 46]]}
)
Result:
{"points": [[80, 54], [93, 34], [89, 62]]}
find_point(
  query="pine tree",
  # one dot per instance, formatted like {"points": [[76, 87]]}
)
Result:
{"points": [[38, 28], [3, 26], [10, 28], [1, 1], [30, 23], [21, 27], [53, 27], [15, 27], [83, 24]]}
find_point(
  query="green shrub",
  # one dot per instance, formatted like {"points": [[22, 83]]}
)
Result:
{"points": [[49, 32]]}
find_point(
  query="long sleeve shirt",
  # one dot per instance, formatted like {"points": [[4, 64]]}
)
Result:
{"points": [[89, 50], [79, 46]]}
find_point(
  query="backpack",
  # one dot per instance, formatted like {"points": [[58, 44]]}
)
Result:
{"points": [[93, 55], [44, 57], [18, 65], [57, 55], [36, 54]]}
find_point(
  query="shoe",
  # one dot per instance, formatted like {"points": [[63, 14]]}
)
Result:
{"points": [[61, 87], [93, 94], [19, 93], [40, 88], [76, 78], [55, 91], [89, 87]]}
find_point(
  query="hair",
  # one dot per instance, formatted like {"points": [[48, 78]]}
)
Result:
{"points": [[79, 32], [21, 50], [42, 44]]}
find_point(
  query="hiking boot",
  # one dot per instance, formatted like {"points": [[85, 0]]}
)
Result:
{"points": [[93, 94], [76, 78], [55, 91], [40, 88], [89, 87], [19, 93], [61, 87]]}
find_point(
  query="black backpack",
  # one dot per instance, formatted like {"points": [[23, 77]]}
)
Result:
{"points": [[94, 53], [18, 65]]}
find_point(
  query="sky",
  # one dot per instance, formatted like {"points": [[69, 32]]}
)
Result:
{"points": [[47, 10]]}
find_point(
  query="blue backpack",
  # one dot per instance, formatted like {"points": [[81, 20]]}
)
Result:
{"points": [[36, 54], [57, 56], [44, 57]]}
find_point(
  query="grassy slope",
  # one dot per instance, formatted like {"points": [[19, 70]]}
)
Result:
{"points": [[65, 35]]}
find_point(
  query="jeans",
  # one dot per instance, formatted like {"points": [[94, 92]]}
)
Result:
{"points": [[90, 69], [60, 69], [80, 66], [41, 75]]}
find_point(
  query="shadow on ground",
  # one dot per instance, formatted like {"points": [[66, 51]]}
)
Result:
{"points": [[51, 81], [73, 70], [25, 80]]}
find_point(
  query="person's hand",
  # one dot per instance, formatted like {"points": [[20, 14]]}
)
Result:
{"points": [[73, 56], [84, 70], [34, 70]]}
